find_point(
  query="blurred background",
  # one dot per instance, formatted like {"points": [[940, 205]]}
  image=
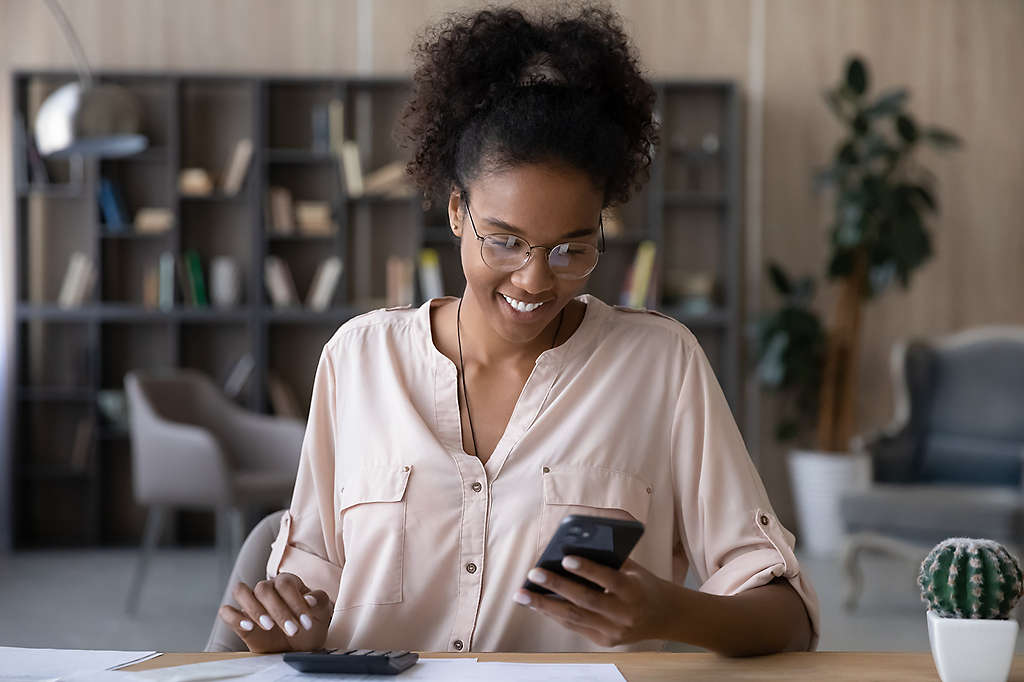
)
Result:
{"points": [[195, 194]]}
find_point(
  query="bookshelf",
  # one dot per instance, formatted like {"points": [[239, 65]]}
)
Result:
{"points": [[72, 484]]}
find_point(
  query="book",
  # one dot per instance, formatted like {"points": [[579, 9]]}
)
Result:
{"points": [[313, 217], [278, 279], [166, 296], [188, 295], [112, 209], [430, 275], [151, 288], [239, 375], [194, 270], [151, 220], [387, 179], [279, 201], [399, 281], [320, 122], [352, 169], [335, 125], [282, 399], [78, 281], [642, 270], [82, 444], [325, 282], [237, 168]]}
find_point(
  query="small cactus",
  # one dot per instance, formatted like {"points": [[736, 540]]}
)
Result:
{"points": [[970, 578]]}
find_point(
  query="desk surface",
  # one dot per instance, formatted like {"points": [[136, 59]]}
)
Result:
{"points": [[834, 666]]}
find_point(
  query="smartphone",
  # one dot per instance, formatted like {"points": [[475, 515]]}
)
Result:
{"points": [[606, 541]]}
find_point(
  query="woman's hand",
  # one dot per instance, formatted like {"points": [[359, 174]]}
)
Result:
{"points": [[280, 614], [635, 604]]}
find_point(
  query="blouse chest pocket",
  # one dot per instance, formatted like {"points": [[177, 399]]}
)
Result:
{"points": [[372, 507], [591, 491]]}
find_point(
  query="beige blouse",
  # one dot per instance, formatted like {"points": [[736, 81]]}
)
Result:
{"points": [[422, 547]]}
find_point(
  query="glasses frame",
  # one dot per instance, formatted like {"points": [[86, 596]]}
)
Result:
{"points": [[600, 247]]}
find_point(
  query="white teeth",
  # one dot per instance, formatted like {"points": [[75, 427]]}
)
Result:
{"points": [[520, 306]]}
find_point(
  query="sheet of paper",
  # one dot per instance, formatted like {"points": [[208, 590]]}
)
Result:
{"points": [[51, 664]]}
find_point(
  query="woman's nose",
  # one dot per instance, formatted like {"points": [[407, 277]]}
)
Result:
{"points": [[536, 275]]}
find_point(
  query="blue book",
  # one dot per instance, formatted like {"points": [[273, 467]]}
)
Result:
{"points": [[112, 207]]}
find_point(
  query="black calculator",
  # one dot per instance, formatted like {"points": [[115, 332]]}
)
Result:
{"points": [[365, 661]]}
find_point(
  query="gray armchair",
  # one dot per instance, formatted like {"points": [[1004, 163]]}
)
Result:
{"points": [[950, 463], [193, 448]]}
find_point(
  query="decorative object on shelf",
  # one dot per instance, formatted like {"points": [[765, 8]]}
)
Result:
{"points": [[389, 181], [86, 118], [152, 220], [639, 280], [33, 171], [431, 285], [195, 182], [225, 282], [697, 293], [278, 279], [878, 234], [400, 286], [113, 406], [279, 210], [237, 168], [112, 208], [78, 281], [314, 217], [325, 282], [971, 586]]}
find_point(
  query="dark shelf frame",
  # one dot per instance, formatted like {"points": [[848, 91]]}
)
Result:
{"points": [[257, 315]]}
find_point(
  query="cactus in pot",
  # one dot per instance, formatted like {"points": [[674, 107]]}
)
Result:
{"points": [[971, 585]]}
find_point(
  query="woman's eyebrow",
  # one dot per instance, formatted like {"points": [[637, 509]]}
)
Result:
{"points": [[498, 222]]}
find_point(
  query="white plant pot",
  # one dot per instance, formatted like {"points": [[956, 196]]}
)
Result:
{"points": [[818, 480], [970, 649]]}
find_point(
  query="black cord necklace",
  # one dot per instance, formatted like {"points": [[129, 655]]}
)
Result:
{"points": [[462, 367]]}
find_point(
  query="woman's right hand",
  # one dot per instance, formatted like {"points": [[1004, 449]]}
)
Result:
{"points": [[279, 614]]}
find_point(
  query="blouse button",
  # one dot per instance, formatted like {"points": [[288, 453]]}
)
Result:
{"points": [[477, 487], [764, 520], [457, 644], [470, 568], [405, 468], [546, 470], [648, 491]]}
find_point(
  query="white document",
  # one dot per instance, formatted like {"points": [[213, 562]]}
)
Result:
{"points": [[51, 664]]}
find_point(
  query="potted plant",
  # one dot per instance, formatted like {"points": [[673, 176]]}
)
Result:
{"points": [[878, 236], [970, 586]]}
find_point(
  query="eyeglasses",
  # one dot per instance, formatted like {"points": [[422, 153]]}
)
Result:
{"points": [[508, 252]]}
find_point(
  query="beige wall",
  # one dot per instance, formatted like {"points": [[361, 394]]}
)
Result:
{"points": [[958, 57]]}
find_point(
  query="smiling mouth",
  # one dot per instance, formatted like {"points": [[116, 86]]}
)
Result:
{"points": [[521, 306]]}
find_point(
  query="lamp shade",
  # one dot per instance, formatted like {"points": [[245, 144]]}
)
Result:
{"points": [[96, 120]]}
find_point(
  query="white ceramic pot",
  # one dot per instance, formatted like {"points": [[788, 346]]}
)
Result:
{"points": [[225, 282], [972, 649], [818, 480]]}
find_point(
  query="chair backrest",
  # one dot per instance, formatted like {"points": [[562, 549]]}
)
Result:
{"points": [[250, 568], [967, 406]]}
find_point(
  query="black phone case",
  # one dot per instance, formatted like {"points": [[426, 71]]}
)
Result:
{"points": [[371, 663], [605, 541]]}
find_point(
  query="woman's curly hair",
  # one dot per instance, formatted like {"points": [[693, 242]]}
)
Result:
{"points": [[493, 89]]}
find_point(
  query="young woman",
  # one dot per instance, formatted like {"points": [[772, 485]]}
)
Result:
{"points": [[445, 443]]}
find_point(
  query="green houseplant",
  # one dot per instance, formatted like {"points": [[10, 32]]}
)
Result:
{"points": [[877, 237], [971, 586]]}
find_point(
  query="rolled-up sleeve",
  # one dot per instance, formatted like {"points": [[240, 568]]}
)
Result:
{"points": [[306, 543], [727, 526]]}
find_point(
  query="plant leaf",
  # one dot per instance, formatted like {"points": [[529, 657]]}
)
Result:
{"points": [[856, 76], [888, 104], [780, 279], [943, 139], [906, 128]]}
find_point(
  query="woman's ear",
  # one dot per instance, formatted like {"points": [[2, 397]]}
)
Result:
{"points": [[454, 204]]}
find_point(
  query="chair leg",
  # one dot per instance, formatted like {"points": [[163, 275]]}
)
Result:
{"points": [[853, 577], [154, 524]]}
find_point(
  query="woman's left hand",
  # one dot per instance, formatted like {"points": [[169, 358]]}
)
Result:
{"points": [[635, 604]]}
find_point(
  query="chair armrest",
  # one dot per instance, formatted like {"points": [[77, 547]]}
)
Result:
{"points": [[263, 442], [891, 452], [180, 465]]}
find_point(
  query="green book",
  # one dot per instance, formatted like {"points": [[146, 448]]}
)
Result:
{"points": [[195, 274]]}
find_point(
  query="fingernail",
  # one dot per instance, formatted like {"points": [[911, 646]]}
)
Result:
{"points": [[536, 575], [521, 598], [265, 622], [290, 627], [246, 625], [571, 562], [306, 621], [310, 599]]}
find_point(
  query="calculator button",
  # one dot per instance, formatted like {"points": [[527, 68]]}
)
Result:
{"points": [[396, 654], [361, 652]]}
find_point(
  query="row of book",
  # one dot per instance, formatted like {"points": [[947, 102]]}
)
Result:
{"points": [[280, 284], [287, 217], [196, 181], [115, 217]]}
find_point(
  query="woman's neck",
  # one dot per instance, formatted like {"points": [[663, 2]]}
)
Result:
{"points": [[481, 345]]}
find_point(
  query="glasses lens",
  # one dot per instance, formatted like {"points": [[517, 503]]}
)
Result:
{"points": [[572, 261], [504, 251]]}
